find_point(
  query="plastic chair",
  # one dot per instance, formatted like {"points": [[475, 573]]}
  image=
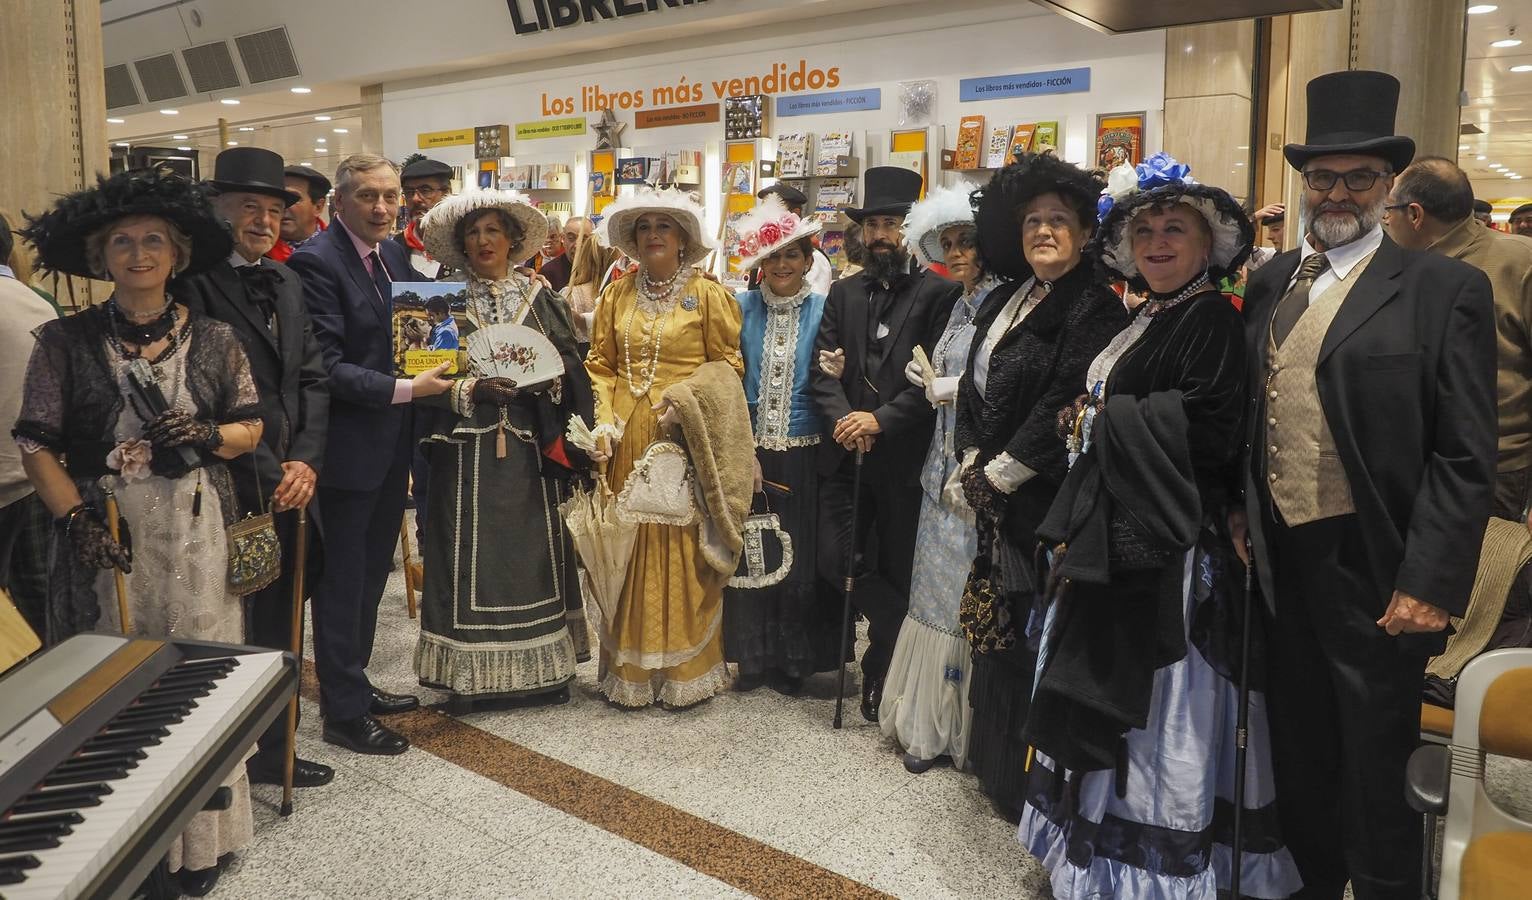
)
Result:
{"points": [[1483, 845]]}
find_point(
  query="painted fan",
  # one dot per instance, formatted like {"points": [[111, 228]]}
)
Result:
{"points": [[522, 354]]}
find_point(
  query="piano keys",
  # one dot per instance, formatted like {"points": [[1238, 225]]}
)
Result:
{"points": [[108, 747]]}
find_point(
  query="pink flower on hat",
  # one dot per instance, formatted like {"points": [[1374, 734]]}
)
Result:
{"points": [[790, 223], [750, 245], [770, 233]]}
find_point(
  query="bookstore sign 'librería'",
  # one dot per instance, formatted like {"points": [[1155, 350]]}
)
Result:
{"points": [[533, 16]]}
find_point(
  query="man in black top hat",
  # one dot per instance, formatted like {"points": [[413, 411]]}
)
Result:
{"points": [[822, 272], [304, 218], [425, 183], [1371, 443], [873, 322], [263, 300]]}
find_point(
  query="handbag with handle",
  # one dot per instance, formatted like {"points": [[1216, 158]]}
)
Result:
{"points": [[752, 564], [255, 554], [661, 488]]}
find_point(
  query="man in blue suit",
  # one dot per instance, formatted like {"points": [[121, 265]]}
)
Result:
{"points": [[348, 273]]}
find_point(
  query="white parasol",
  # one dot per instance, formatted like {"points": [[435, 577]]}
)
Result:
{"points": [[602, 539]]}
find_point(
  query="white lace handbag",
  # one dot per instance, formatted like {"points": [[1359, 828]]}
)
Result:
{"points": [[660, 489], [752, 564]]}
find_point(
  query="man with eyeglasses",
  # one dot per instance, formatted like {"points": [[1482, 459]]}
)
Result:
{"points": [[423, 184], [1521, 220], [1371, 447]]}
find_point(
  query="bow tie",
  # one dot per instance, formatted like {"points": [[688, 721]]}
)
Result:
{"points": [[261, 289]]}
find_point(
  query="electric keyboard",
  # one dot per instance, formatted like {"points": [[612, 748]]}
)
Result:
{"points": [[108, 747]]}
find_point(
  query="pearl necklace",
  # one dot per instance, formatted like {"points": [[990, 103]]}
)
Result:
{"points": [[658, 294], [1157, 306]]}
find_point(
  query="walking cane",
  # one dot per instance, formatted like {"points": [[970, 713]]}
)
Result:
{"points": [[113, 528], [850, 586], [1242, 729], [291, 745]]}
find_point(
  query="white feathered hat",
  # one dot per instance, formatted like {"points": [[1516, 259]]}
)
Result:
{"points": [[619, 220], [942, 208], [440, 222], [767, 228]]}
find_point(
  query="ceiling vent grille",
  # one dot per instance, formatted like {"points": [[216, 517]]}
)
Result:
{"points": [[211, 67], [161, 78], [267, 55], [120, 90]]}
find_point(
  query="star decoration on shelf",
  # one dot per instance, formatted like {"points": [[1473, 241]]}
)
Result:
{"points": [[608, 131]]}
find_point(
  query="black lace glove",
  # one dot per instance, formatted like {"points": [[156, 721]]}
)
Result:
{"points": [[983, 497], [177, 428], [499, 391], [92, 544]]}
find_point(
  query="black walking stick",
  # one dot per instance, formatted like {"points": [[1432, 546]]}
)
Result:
{"points": [[290, 745], [1242, 727], [849, 587]]}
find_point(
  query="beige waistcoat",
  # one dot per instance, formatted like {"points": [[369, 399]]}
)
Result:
{"points": [[1303, 469]]}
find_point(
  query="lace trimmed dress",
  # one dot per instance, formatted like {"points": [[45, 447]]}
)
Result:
{"points": [[925, 695], [501, 594], [791, 627], [1159, 825], [665, 640], [74, 404]]}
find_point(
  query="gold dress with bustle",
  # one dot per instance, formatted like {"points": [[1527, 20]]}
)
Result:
{"points": [[664, 642]]}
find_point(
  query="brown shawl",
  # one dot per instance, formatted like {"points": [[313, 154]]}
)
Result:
{"points": [[716, 425]]}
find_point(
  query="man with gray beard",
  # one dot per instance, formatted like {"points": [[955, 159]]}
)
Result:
{"points": [[1371, 443]]}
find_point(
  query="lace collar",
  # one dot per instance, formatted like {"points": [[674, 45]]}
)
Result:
{"points": [[503, 300]]}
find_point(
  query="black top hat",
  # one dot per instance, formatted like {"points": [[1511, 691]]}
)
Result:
{"points": [[251, 170], [426, 168], [1353, 112], [61, 233], [313, 176], [891, 191], [790, 195]]}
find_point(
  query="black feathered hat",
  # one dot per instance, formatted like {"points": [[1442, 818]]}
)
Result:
{"points": [[998, 206], [1353, 113], [1160, 181], [59, 235]]}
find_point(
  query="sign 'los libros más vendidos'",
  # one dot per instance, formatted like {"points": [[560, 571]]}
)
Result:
{"points": [[532, 16]]}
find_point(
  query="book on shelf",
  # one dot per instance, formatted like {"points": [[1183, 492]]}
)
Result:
{"points": [[1021, 140], [1045, 137], [739, 178], [832, 145], [999, 147], [793, 155], [970, 141], [832, 194]]}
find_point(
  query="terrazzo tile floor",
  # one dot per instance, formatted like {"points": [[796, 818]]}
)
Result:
{"points": [[788, 793]]}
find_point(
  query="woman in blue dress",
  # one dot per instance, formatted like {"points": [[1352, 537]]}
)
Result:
{"points": [[1134, 710], [925, 697], [779, 633]]}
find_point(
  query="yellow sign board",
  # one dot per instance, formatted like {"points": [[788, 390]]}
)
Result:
{"points": [[458, 137], [547, 128]]}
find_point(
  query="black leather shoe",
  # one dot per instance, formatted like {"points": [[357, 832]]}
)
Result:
{"points": [[199, 883], [746, 682], [786, 685], [364, 734], [872, 698], [915, 765], [386, 704], [265, 770]]}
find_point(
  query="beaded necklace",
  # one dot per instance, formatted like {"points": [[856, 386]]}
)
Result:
{"points": [[658, 302]]}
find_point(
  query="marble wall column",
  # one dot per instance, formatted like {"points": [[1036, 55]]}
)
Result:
{"points": [[1208, 101], [53, 106], [372, 118]]}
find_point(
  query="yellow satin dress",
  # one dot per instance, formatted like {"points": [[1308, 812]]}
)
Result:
{"points": [[665, 640]]}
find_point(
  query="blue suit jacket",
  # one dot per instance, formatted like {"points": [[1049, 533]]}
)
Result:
{"points": [[355, 334]]}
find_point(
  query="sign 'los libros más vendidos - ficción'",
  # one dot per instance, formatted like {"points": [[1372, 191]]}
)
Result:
{"points": [[532, 16]]}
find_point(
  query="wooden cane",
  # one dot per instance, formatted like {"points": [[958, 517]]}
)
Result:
{"points": [[409, 577], [300, 562], [112, 528]]}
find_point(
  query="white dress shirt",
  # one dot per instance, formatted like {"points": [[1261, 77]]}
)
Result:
{"points": [[1342, 260]]}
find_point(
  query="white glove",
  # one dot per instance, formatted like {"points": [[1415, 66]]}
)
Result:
{"points": [[832, 363], [605, 437], [970, 456], [941, 390], [914, 375], [952, 494]]}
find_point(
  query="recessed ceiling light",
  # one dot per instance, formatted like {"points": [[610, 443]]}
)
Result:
{"points": [[310, 165], [321, 140], [1516, 177], [229, 101], [183, 149], [1462, 146], [1479, 9], [115, 121], [233, 143], [321, 118], [320, 150], [1507, 42], [178, 137], [246, 128], [122, 143], [1481, 158], [341, 130], [170, 112], [300, 90], [1521, 68]]}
